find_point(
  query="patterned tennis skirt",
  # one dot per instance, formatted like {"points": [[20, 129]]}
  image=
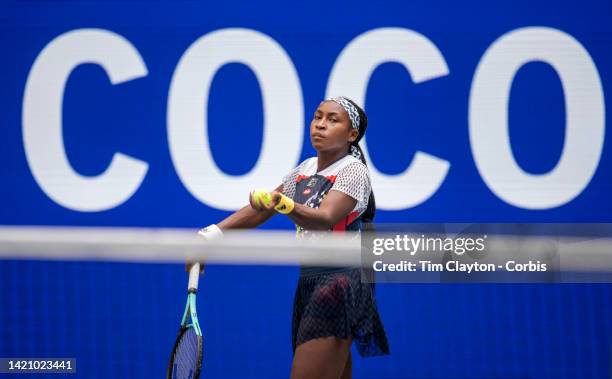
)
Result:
{"points": [[338, 304]]}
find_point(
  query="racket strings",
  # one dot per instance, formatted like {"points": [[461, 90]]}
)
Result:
{"points": [[187, 357]]}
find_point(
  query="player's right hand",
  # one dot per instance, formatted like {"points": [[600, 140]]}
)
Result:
{"points": [[209, 233]]}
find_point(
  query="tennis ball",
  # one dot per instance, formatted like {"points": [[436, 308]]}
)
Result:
{"points": [[262, 197]]}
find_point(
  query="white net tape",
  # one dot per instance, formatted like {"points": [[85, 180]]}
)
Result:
{"points": [[174, 245], [249, 247]]}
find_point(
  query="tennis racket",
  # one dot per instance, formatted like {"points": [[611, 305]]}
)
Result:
{"points": [[186, 358]]}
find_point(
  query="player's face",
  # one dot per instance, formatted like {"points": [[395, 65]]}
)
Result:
{"points": [[330, 129]]}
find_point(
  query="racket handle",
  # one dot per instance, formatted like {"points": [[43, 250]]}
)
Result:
{"points": [[194, 277]]}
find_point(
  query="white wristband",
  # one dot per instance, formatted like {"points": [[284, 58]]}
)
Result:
{"points": [[211, 232]]}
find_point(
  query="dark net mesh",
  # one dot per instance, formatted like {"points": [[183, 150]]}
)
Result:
{"points": [[187, 357]]}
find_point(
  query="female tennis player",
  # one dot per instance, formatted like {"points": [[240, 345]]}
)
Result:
{"points": [[331, 191]]}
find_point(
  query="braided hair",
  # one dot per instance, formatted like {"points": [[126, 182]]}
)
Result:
{"points": [[355, 150]]}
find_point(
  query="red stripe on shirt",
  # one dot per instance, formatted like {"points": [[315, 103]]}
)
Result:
{"points": [[341, 226]]}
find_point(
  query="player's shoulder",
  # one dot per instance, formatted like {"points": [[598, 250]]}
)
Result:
{"points": [[350, 163], [351, 160]]}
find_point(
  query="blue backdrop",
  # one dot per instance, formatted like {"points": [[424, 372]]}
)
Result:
{"points": [[119, 320]]}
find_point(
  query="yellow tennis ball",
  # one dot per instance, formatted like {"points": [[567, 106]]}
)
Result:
{"points": [[262, 197]]}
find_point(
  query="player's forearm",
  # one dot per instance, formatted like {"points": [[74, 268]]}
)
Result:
{"points": [[311, 218], [334, 208], [245, 218]]}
